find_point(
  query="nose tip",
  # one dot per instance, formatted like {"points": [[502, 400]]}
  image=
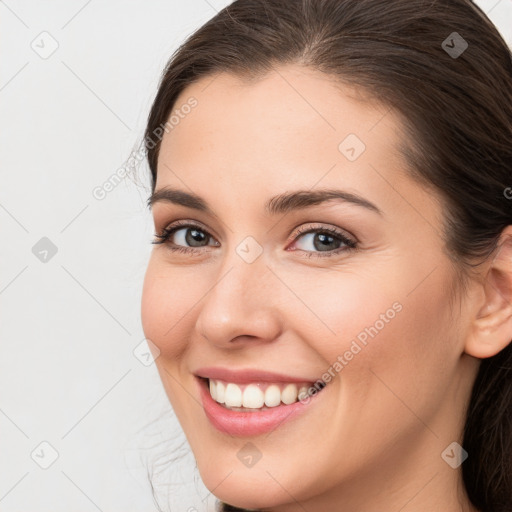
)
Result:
{"points": [[238, 307]]}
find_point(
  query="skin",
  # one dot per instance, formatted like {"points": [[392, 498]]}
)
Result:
{"points": [[374, 439]]}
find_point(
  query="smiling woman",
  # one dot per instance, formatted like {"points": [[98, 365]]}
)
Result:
{"points": [[330, 288]]}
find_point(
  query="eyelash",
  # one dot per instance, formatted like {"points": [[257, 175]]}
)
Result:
{"points": [[167, 232]]}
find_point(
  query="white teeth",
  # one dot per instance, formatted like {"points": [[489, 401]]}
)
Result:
{"points": [[301, 395], [220, 390], [233, 395], [256, 396], [289, 394], [253, 397], [213, 389], [272, 396]]}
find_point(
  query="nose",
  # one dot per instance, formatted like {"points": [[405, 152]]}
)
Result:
{"points": [[241, 305]]}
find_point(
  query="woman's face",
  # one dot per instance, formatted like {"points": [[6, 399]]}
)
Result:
{"points": [[260, 293]]}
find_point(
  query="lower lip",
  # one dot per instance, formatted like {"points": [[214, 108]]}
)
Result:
{"points": [[237, 423]]}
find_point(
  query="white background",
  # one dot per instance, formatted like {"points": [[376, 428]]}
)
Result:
{"points": [[69, 326]]}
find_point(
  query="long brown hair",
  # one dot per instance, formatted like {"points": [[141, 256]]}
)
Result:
{"points": [[445, 68]]}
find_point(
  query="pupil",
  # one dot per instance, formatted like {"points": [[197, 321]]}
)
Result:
{"points": [[325, 240], [195, 236]]}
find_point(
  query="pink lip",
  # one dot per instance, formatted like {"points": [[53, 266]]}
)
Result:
{"points": [[247, 376], [248, 423]]}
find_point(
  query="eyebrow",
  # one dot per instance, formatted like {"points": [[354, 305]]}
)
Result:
{"points": [[280, 204]]}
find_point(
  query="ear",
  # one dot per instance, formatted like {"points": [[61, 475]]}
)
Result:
{"points": [[491, 329]]}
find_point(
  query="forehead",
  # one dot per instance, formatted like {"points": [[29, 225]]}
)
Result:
{"points": [[289, 98], [293, 128], [289, 114]]}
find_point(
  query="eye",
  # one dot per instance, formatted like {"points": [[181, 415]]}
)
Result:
{"points": [[327, 240], [184, 237], [319, 241]]}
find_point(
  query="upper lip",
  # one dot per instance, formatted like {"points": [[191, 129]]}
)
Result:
{"points": [[247, 375]]}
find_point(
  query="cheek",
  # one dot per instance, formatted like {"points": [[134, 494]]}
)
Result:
{"points": [[376, 332], [168, 299], [342, 312], [398, 351]]}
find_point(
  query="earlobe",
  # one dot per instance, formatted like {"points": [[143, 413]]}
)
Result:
{"points": [[491, 329]]}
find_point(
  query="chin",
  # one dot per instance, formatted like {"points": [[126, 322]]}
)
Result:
{"points": [[248, 488]]}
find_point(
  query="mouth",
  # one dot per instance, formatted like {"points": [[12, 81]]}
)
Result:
{"points": [[253, 408], [259, 396]]}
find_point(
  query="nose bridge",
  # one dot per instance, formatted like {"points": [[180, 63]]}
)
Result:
{"points": [[238, 302]]}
